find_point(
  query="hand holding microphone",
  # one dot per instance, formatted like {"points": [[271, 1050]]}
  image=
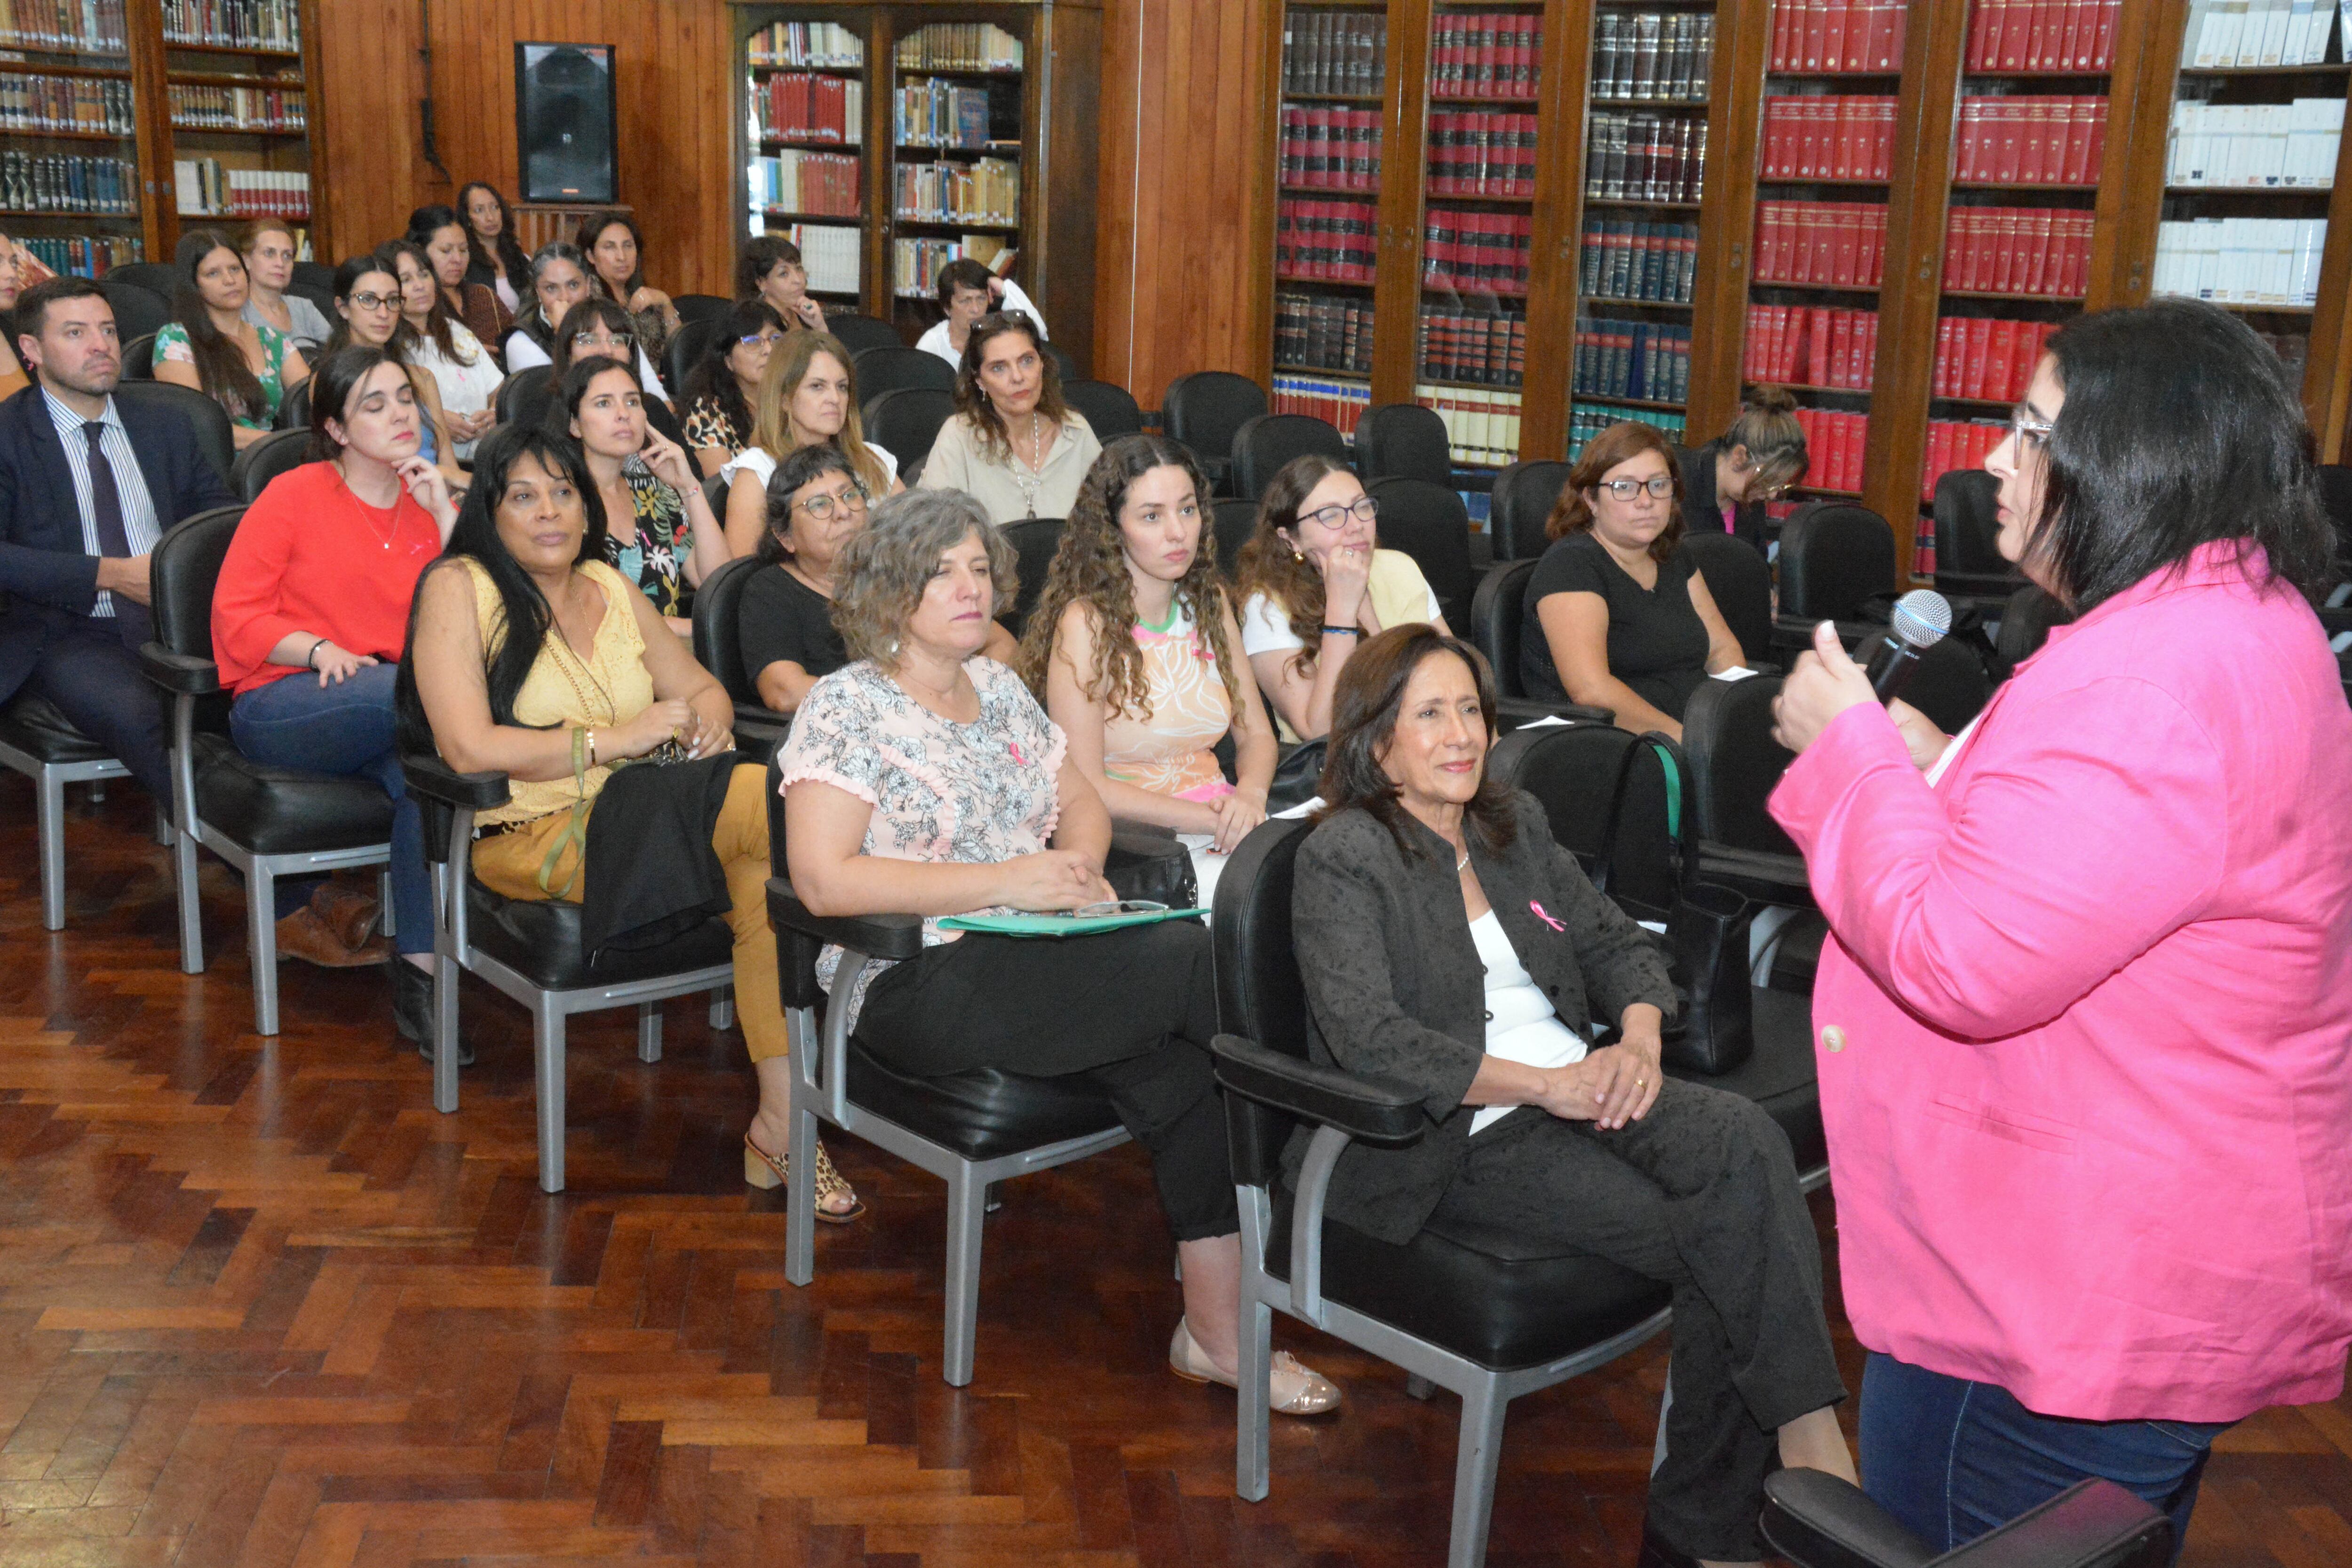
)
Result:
{"points": [[1826, 682]]}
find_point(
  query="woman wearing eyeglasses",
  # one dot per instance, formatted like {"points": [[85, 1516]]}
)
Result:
{"points": [[367, 315], [1618, 616], [1726, 482], [1313, 584], [596, 327], [720, 389]]}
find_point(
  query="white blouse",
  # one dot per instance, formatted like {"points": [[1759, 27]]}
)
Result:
{"points": [[465, 387], [1521, 1025]]}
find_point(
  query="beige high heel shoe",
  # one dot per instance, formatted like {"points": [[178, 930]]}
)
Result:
{"points": [[1293, 1390], [768, 1171]]}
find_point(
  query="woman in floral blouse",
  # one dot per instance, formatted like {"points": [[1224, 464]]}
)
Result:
{"points": [[922, 778], [661, 534]]}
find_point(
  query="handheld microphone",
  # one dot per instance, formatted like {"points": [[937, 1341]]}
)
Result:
{"points": [[1920, 620]]}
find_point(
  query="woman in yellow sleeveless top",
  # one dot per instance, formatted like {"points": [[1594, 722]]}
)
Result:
{"points": [[529, 655], [1134, 650], [1313, 585]]}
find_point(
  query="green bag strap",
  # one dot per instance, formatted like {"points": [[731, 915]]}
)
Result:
{"points": [[576, 832]]}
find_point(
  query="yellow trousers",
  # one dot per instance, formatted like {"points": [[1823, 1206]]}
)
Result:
{"points": [[508, 865]]}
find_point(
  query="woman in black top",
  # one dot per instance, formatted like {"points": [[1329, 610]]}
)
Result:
{"points": [[1618, 616], [496, 256], [814, 508], [1726, 482]]}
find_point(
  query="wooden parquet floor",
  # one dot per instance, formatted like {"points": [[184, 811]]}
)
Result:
{"points": [[259, 1305]]}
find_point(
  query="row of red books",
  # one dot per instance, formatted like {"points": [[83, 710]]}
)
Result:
{"points": [[799, 107], [1834, 442], [1487, 55], [1979, 356], [1837, 36], [1811, 345], [1331, 149], [1324, 239], [2042, 34], [1482, 154], [2041, 141], [1838, 244], [1954, 444], [1484, 253], [1845, 137], [2043, 251], [1338, 403]]}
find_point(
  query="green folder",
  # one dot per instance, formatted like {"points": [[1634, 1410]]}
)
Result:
{"points": [[1069, 924]]}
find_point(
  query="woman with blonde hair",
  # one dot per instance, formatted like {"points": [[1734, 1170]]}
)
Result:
{"points": [[807, 398]]}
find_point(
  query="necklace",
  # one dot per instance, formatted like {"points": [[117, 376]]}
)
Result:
{"points": [[367, 511], [1462, 865], [1035, 479]]}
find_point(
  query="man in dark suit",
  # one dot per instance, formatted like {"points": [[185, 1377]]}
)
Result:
{"points": [[88, 484]]}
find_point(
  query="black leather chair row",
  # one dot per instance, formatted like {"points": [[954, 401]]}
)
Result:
{"points": [[719, 649], [273, 454], [905, 421], [39, 743]]}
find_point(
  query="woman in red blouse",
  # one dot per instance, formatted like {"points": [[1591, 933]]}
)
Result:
{"points": [[311, 613]]}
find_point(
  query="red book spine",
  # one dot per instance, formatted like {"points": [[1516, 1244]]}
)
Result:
{"points": [[1969, 164], [1833, 36], [2001, 359], [1782, 11], [2093, 127], [1939, 381], [1841, 346], [1976, 340], [1981, 16], [1816, 29], [2109, 10], [2070, 40]]}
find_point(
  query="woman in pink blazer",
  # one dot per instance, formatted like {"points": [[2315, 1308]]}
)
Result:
{"points": [[2085, 1029]]}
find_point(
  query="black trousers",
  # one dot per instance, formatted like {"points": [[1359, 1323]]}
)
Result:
{"points": [[95, 681], [1700, 1194], [1133, 1011]]}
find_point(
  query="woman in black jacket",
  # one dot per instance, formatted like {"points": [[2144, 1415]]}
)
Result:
{"points": [[1726, 482], [1449, 944]]}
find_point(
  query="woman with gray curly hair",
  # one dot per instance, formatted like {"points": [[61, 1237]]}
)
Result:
{"points": [[922, 778]]}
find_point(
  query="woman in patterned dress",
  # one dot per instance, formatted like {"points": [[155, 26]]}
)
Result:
{"points": [[210, 347], [1136, 652], [660, 535]]}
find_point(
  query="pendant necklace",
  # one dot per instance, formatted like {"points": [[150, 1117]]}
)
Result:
{"points": [[366, 511], [1034, 481]]}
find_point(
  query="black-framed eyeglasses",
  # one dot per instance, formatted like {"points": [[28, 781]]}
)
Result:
{"points": [[1658, 485], [1365, 510], [591, 340], [2027, 428], [373, 301], [821, 508]]}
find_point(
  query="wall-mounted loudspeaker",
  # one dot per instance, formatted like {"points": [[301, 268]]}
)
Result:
{"points": [[565, 125]]}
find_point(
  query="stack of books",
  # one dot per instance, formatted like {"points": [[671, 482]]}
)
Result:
{"points": [[1338, 403], [1826, 37], [1957, 444], [1644, 157], [2042, 140], [1811, 345], [2042, 34], [1587, 420], [1332, 149], [1481, 154], [1324, 240], [1834, 443], [1641, 360], [1847, 137], [2256, 261], [1822, 244], [1482, 428], [1334, 54], [1646, 54], [1458, 345], [1315, 331], [2250, 35], [2255, 146], [1983, 358], [1623, 260], [2042, 251], [1488, 56], [1477, 253], [827, 45], [960, 46], [820, 184], [794, 105]]}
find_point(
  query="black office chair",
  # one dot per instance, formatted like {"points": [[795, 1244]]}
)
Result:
{"points": [[1733, 763], [1109, 410], [1266, 442], [294, 408], [266, 459], [1430, 523], [1203, 410], [719, 649], [1837, 564], [139, 358], [859, 332], [1496, 628], [1063, 360], [267, 822], [1035, 541], [531, 951], [138, 312], [1525, 493], [1234, 522], [2025, 625], [525, 397], [215, 435], [316, 275], [685, 348], [1969, 570], [1816, 1520], [1472, 1310], [1403, 441], [893, 365], [904, 422], [158, 278], [1949, 683], [1740, 583], [41, 743], [322, 299], [701, 307]]}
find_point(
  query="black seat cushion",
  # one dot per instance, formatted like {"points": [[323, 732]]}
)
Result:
{"points": [[286, 811], [980, 1114], [1481, 1292], [1782, 1075], [539, 939], [33, 725]]}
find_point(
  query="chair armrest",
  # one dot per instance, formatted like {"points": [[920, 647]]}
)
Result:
{"points": [[437, 781], [877, 936], [1758, 873], [1367, 1110], [1512, 712], [1819, 1521], [181, 673]]}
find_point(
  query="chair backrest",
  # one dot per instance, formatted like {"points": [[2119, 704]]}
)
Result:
{"points": [[1236, 522], [1430, 523], [266, 459], [1064, 362], [701, 307], [1109, 410], [321, 296], [294, 408], [686, 346], [718, 626], [889, 366], [1266, 442], [182, 571], [1035, 541], [524, 396], [1949, 686], [1497, 616], [714, 491], [1525, 493], [1205, 408], [1834, 556], [158, 278], [906, 420], [1967, 521], [1572, 769], [1735, 763], [2025, 623], [859, 332], [316, 275], [138, 313], [1260, 993], [1741, 585], [2335, 498], [1403, 441], [215, 437], [139, 359]]}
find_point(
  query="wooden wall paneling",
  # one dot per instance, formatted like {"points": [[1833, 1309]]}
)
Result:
{"points": [[1404, 162], [2327, 373], [1058, 176], [1562, 122], [1727, 220]]}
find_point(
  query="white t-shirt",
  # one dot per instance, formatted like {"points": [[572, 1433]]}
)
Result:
{"points": [[935, 342], [464, 388], [756, 461], [1265, 629], [522, 354], [1521, 1025]]}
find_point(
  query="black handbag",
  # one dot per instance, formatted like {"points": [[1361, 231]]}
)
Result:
{"points": [[1297, 778], [1147, 866]]}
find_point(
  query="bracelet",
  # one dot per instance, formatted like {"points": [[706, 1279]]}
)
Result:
{"points": [[311, 659], [592, 746], [1343, 631]]}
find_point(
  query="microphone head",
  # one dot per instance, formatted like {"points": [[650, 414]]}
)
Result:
{"points": [[1921, 618]]}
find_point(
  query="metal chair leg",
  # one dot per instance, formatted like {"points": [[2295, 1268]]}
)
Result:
{"points": [[1252, 1422], [183, 886], [1418, 1386], [50, 813], [262, 940], [547, 1051], [649, 1031], [1474, 1473], [722, 1007], [164, 835], [800, 1192], [966, 1197], [385, 923]]}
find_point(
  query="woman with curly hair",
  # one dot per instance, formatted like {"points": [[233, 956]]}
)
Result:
{"points": [[1014, 445], [1135, 650]]}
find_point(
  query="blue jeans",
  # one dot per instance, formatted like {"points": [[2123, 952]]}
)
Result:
{"points": [[1954, 1459], [346, 729]]}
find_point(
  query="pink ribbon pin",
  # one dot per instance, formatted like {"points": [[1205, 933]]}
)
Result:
{"points": [[1545, 918], [1015, 747]]}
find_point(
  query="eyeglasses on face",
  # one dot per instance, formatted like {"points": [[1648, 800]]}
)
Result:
{"points": [[1658, 485], [372, 301], [2028, 428], [604, 340], [850, 502], [1365, 510], [756, 339]]}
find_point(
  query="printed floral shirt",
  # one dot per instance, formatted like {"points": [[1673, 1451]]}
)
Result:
{"points": [[972, 794], [649, 548]]}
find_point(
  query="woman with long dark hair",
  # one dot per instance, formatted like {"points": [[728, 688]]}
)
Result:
{"points": [[719, 390], [770, 268], [368, 315], [615, 253], [494, 256], [441, 234], [438, 343], [2084, 1016], [660, 532], [208, 346], [1014, 445]]}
